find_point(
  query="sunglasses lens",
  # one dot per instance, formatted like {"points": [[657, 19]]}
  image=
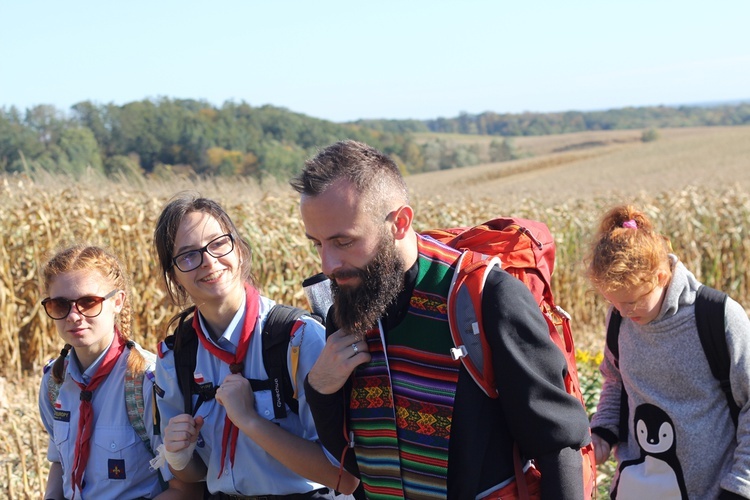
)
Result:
{"points": [[89, 306], [57, 308]]}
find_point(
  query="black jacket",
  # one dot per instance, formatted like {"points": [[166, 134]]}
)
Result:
{"points": [[533, 408]]}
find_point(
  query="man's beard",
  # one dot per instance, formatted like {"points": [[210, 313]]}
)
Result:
{"points": [[357, 309]]}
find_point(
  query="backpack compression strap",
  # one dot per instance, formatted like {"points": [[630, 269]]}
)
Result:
{"points": [[710, 305]]}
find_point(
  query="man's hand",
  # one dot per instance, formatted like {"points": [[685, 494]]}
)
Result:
{"points": [[340, 356]]}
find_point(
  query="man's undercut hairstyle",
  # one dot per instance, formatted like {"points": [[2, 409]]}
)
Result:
{"points": [[376, 176]]}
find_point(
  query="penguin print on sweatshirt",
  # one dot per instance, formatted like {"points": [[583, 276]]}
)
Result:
{"points": [[657, 473]]}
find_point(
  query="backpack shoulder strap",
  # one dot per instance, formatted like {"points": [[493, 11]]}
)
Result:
{"points": [[465, 319], [277, 331], [184, 343], [613, 335], [135, 407], [134, 401], [53, 388], [710, 305], [613, 344]]}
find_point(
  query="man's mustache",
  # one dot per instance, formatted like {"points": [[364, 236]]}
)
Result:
{"points": [[345, 274]]}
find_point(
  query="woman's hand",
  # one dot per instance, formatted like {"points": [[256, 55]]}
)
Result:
{"points": [[601, 449], [237, 398], [181, 431], [180, 439]]}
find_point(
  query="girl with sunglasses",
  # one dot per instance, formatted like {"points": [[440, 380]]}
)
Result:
{"points": [[94, 449], [233, 441], [675, 432]]}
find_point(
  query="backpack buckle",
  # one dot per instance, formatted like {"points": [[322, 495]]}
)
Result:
{"points": [[562, 312], [458, 352]]}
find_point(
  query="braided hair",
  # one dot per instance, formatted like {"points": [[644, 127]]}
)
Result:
{"points": [[95, 259]]}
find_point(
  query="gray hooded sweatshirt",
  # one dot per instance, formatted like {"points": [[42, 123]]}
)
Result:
{"points": [[682, 442]]}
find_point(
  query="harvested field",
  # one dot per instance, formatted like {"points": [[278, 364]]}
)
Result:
{"points": [[711, 158]]}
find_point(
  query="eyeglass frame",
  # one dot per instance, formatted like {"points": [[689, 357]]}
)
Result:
{"points": [[99, 302], [634, 305], [203, 250]]}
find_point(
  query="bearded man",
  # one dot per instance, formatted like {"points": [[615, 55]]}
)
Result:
{"points": [[385, 393]]}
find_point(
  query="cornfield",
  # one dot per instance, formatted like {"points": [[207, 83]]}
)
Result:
{"points": [[708, 229]]}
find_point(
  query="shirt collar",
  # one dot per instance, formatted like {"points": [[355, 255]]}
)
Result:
{"points": [[400, 307], [230, 336], [74, 366]]}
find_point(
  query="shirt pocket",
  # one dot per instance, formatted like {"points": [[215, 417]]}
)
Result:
{"points": [[115, 441], [62, 433], [264, 404]]}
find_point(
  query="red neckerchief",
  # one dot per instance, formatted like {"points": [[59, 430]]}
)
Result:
{"points": [[235, 362], [86, 410]]}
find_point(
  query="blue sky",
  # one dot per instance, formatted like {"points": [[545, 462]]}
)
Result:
{"points": [[344, 60]]}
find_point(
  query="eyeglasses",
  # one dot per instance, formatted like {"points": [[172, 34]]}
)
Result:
{"points": [[632, 304], [89, 306], [193, 259]]}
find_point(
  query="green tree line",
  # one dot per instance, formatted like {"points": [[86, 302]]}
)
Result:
{"points": [[184, 136], [490, 123], [191, 137]]}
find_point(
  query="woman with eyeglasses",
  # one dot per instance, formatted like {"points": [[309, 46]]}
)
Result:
{"points": [[94, 446], [228, 434]]}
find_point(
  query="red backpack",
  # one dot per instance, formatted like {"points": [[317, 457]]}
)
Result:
{"points": [[525, 249]]}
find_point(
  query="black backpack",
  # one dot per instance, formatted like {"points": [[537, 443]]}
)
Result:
{"points": [[275, 339], [709, 318]]}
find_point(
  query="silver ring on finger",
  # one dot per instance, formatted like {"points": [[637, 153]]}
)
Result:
{"points": [[355, 348]]}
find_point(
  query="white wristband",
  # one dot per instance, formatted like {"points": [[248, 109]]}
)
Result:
{"points": [[159, 459], [180, 459]]}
